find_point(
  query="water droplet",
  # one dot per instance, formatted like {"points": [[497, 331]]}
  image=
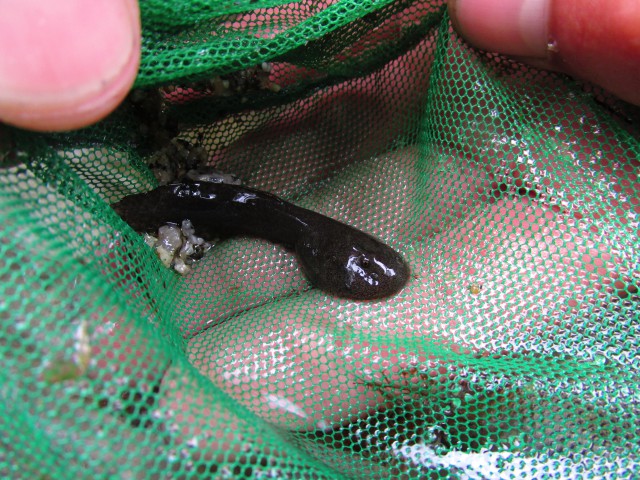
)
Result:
{"points": [[192, 442]]}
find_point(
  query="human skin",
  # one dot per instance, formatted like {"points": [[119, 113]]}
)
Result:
{"points": [[65, 65], [596, 40]]}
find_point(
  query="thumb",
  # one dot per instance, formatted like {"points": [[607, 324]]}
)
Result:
{"points": [[66, 64], [598, 41]]}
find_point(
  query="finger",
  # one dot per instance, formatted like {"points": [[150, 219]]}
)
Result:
{"points": [[561, 35], [285, 367], [67, 64]]}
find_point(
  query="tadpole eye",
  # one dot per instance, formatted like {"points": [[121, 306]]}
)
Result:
{"points": [[365, 262]]}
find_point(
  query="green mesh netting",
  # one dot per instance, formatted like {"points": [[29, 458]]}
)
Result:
{"points": [[512, 193]]}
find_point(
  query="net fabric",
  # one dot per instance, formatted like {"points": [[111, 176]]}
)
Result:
{"points": [[512, 193]]}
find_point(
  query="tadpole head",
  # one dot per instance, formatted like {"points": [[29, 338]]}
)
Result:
{"points": [[145, 212], [352, 264]]}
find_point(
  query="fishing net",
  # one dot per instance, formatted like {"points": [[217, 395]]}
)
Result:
{"points": [[512, 193]]}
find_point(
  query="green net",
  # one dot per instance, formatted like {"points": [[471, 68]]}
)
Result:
{"points": [[512, 193]]}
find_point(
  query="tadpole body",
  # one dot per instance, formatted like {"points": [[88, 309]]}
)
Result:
{"points": [[336, 257]]}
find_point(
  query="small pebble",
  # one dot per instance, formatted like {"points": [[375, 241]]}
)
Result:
{"points": [[178, 247]]}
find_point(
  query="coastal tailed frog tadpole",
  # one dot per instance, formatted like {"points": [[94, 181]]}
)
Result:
{"points": [[336, 258]]}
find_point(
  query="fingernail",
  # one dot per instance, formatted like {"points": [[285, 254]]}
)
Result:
{"points": [[511, 27], [59, 58]]}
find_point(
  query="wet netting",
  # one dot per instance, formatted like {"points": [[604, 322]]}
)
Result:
{"points": [[512, 194]]}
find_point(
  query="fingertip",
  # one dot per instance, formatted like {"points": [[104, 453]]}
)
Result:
{"points": [[66, 64], [511, 27], [598, 42], [70, 113], [605, 52]]}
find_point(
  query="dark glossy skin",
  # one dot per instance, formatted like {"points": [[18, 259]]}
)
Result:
{"points": [[336, 258]]}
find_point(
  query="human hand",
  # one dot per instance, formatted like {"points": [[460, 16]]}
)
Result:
{"points": [[66, 64], [312, 361], [489, 263], [598, 41]]}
